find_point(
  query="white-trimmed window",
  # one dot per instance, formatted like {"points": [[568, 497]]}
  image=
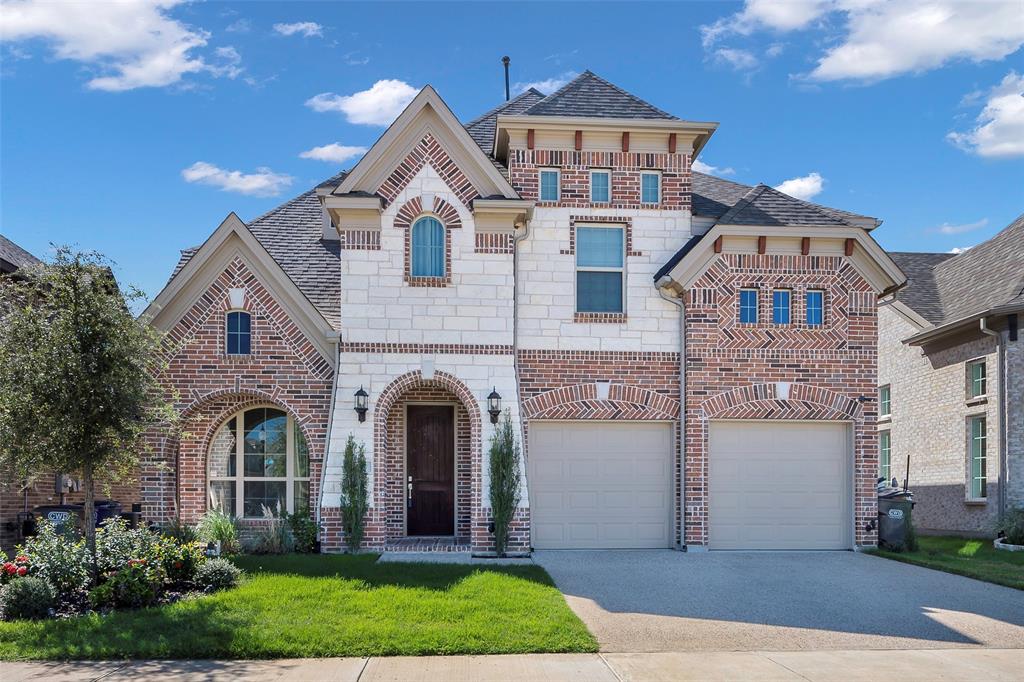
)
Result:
{"points": [[748, 306], [238, 336], [885, 401], [258, 458], [650, 187], [885, 455], [780, 306], [977, 379], [549, 184], [600, 269], [600, 186], [977, 450], [428, 248], [815, 307]]}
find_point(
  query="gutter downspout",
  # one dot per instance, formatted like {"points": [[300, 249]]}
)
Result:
{"points": [[517, 240], [678, 301], [1001, 373], [330, 427]]}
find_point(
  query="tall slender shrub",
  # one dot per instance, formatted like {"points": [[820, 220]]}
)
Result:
{"points": [[505, 480], [354, 497]]}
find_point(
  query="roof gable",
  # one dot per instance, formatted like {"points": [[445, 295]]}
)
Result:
{"points": [[764, 205], [590, 96], [14, 255]]}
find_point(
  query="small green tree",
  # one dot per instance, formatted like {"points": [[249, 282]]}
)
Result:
{"points": [[505, 481], [354, 497], [78, 375]]}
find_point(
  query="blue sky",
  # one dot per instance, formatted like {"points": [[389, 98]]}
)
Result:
{"points": [[135, 129]]}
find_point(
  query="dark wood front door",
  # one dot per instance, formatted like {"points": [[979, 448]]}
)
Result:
{"points": [[430, 470]]}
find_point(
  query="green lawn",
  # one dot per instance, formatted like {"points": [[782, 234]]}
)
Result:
{"points": [[307, 606], [964, 556]]}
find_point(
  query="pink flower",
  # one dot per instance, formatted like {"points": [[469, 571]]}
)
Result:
{"points": [[22, 571]]}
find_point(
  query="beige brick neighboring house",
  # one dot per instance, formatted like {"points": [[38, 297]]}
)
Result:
{"points": [[951, 363], [560, 252]]}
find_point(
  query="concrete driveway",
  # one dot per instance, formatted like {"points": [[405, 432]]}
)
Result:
{"points": [[660, 600]]}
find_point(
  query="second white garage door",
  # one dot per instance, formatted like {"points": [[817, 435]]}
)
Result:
{"points": [[602, 485], [780, 485]]}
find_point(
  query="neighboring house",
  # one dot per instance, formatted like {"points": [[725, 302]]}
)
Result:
{"points": [[18, 497], [536, 256], [951, 383]]}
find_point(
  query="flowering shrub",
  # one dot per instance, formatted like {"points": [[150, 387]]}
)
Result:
{"points": [[9, 570], [117, 544], [60, 558], [217, 574], [136, 584], [181, 560], [29, 598]]}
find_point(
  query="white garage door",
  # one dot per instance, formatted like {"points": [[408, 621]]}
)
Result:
{"points": [[780, 485], [600, 484]]}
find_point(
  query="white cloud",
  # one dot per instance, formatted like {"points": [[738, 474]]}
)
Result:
{"points": [[702, 167], [263, 183], [946, 228], [230, 64], [380, 105], [308, 29], [547, 86], [804, 187], [960, 249], [881, 39], [127, 44], [775, 49], [239, 26], [739, 60], [334, 152], [1000, 125]]}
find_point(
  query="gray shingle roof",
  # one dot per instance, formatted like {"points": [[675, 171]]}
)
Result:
{"points": [[589, 95], [481, 129], [764, 205], [13, 256], [293, 235], [920, 292]]}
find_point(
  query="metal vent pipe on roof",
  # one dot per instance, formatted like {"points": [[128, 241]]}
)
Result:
{"points": [[505, 60]]}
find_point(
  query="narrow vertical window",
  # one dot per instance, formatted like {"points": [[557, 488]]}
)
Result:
{"points": [[600, 255], [977, 379], [885, 455], [978, 452], [815, 308], [780, 306], [549, 185], [239, 336], [650, 188], [428, 248], [748, 306], [600, 186], [885, 401]]}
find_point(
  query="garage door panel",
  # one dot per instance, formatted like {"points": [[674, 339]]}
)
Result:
{"points": [[601, 484], [779, 485]]}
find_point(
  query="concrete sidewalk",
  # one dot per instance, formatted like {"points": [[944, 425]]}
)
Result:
{"points": [[943, 665]]}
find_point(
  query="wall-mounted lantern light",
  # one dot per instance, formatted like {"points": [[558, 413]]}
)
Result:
{"points": [[494, 405], [360, 406]]}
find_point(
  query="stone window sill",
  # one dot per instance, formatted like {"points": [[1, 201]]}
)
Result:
{"points": [[885, 419], [976, 502], [600, 318], [979, 400]]}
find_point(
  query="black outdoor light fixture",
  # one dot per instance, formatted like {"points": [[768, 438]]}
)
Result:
{"points": [[360, 408], [494, 405]]}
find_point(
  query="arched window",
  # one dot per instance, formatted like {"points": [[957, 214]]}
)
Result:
{"points": [[239, 336], [259, 458], [427, 248]]}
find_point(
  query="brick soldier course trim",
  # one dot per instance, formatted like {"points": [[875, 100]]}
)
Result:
{"points": [[360, 240], [428, 150], [408, 214], [438, 348], [581, 401], [626, 223], [493, 242]]}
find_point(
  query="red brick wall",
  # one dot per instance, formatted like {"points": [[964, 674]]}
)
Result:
{"points": [[284, 369], [732, 369]]}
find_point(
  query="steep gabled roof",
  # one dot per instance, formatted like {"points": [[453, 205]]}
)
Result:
{"points": [[590, 96], [920, 292], [764, 205], [481, 129], [14, 257]]}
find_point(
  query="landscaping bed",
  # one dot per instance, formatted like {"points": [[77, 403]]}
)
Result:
{"points": [[973, 558], [293, 606]]}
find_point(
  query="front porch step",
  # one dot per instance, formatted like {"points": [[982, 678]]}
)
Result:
{"points": [[427, 544]]}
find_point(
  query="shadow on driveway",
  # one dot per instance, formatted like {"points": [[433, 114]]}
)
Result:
{"points": [[660, 600]]}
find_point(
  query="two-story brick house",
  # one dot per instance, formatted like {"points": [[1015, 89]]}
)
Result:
{"points": [[951, 383], [557, 255]]}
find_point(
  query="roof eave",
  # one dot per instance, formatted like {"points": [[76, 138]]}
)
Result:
{"points": [[960, 324]]}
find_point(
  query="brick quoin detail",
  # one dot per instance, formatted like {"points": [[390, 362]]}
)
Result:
{"points": [[733, 369], [493, 242], [575, 167], [207, 386], [428, 150]]}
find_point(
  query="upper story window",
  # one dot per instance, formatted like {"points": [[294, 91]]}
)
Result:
{"points": [[428, 248], [600, 186], [780, 306], [748, 306], [239, 333], [600, 269], [815, 308], [977, 450], [885, 401], [549, 184], [885, 454], [650, 188], [259, 458], [977, 379]]}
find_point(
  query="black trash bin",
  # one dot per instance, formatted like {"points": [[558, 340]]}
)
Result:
{"points": [[894, 518], [60, 515], [107, 509]]}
